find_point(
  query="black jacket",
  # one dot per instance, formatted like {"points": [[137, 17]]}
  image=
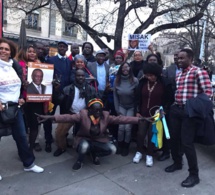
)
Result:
{"points": [[18, 70], [65, 99], [137, 68], [201, 108]]}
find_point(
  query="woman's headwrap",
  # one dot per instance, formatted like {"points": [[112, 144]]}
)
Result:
{"points": [[95, 100], [120, 53]]}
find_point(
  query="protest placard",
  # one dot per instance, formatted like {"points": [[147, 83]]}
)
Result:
{"points": [[213, 80], [40, 78], [138, 42]]}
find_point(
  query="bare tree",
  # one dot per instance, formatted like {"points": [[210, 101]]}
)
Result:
{"points": [[113, 20], [27, 6], [191, 35]]}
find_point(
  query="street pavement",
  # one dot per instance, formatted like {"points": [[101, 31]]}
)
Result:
{"points": [[116, 174]]}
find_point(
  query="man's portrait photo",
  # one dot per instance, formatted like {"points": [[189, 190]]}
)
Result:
{"points": [[36, 86], [133, 44]]}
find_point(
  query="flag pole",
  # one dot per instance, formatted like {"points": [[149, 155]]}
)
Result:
{"points": [[203, 41]]}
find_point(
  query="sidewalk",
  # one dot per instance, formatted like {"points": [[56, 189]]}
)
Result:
{"points": [[116, 175]]}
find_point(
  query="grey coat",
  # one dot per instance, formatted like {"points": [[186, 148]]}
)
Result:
{"points": [[92, 66]]}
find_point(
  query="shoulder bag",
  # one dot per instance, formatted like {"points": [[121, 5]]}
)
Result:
{"points": [[9, 114]]}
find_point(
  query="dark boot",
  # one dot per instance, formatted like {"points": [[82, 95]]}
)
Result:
{"points": [[119, 147], [125, 149]]}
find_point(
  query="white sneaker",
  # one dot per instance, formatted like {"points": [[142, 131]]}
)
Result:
{"points": [[149, 161], [35, 169], [138, 156], [0, 177]]}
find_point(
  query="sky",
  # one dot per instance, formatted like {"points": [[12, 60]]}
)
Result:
{"points": [[106, 6]]}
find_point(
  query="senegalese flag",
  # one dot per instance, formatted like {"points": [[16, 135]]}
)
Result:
{"points": [[157, 130]]}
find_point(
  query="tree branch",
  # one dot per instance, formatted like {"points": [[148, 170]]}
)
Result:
{"points": [[176, 24], [93, 33], [30, 7]]}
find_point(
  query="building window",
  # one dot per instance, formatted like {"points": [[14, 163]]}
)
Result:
{"points": [[70, 30], [32, 21]]}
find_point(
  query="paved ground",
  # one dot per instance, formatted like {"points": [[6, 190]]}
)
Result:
{"points": [[116, 175]]}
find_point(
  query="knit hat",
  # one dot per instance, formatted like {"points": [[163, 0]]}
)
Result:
{"points": [[93, 101]]}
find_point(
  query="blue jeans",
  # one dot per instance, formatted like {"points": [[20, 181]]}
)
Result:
{"points": [[19, 135]]}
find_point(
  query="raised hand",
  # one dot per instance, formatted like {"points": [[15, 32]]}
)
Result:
{"points": [[57, 82]]}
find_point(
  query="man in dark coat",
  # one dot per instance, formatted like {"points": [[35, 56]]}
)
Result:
{"points": [[72, 99], [62, 76]]}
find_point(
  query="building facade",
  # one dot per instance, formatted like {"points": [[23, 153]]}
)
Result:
{"points": [[44, 24]]}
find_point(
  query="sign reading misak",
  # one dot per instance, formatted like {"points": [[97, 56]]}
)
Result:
{"points": [[139, 36]]}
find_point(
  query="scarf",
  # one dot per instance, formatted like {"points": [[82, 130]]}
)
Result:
{"points": [[94, 120], [82, 89], [137, 66]]}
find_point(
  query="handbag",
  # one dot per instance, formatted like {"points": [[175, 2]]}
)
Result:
{"points": [[5, 130], [9, 114]]}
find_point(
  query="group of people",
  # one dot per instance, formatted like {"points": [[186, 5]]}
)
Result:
{"points": [[98, 98]]}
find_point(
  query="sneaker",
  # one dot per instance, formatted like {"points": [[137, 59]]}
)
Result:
{"points": [[35, 169], [77, 166], [138, 156], [149, 161], [0, 177]]}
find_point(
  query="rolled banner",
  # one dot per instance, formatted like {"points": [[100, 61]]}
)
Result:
{"points": [[166, 130]]}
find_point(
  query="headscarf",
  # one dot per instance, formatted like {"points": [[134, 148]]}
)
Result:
{"points": [[120, 53], [94, 120]]}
